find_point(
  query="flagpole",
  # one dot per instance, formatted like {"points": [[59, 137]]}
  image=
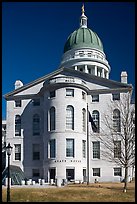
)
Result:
{"points": [[87, 145]]}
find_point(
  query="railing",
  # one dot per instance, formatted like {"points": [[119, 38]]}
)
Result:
{"points": [[66, 80]]}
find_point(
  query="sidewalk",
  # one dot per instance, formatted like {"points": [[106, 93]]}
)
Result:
{"points": [[33, 186]]}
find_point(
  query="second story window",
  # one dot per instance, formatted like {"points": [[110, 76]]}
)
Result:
{"points": [[52, 148], [36, 124], [95, 98], [18, 152], [84, 148], [36, 151], [18, 103], [117, 149], [69, 147], [36, 102], [52, 118], [96, 150], [70, 92], [17, 125]]}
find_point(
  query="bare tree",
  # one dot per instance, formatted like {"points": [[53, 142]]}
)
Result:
{"points": [[118, 134]]}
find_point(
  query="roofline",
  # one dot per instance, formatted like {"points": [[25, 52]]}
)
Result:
{"points": [[35, 82], [39, 80]]}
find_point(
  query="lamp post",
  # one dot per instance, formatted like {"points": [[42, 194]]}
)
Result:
{"points": [[8, 149]]}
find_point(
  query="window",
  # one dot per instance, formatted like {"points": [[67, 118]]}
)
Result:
{"points": [[70, 118], [96, 171], [52, 94], [117, 172], [117, 149], [69, 147], [95, 98], [96, 150], [70, 174], [17, 125], [36, 102], [36, 124], [18, 152], [52, 148], [35, 173], [36, 152], [95, 116], [52, 118], [83, 95], [18, 103], [116, 96], [84, 119], [116, 120], [70, 92], [84, 148]]}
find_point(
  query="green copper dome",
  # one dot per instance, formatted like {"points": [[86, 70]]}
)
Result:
{"points": [[81, 38]]}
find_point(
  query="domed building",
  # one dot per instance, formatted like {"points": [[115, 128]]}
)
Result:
{"points": [[55, 123]]}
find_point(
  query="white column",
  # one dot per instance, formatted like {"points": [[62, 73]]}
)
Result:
{"points": [[107, 75], [86, 69], [76, 68], [95, 70], [103, 74]]}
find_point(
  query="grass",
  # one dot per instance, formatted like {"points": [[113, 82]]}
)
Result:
{"points": [[103, 192]]}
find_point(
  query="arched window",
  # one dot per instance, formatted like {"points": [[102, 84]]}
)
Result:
{"points": [[70, 118], [17, 125], [36, 124], [95, 116], [52, 118], [84, 119], [116, 120]]}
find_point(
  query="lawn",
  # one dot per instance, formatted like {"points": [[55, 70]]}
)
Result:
{"points": [[101, 192]]}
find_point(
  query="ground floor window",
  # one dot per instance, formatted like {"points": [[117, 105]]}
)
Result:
{"points": [[70, 174], [52, 173], [96, 171], [117, 172], [35, 173], [84, 175]]}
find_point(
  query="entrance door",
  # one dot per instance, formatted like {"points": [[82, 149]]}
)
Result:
{"points": [[70, 174], [52, 172], [84, 175]]}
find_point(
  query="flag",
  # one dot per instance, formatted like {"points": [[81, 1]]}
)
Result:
{"points": [[93, 125]]}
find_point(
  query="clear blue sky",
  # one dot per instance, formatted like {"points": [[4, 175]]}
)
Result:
{"points": [[34, 34]]}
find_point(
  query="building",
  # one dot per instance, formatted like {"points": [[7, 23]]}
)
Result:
{"points": [[47, 119], [3, 144]]}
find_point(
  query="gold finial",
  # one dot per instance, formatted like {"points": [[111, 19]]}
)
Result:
{"points": [[83, 9]]}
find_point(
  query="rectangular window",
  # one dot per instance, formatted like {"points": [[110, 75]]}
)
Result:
{"points": [[52, 148], [18, 103], [117, 172], [84, 148], [83, 95], [70, 92], [18, 152], [36, 152], [95, 98], [117, 149], [116, 96], [35, 173], [52, 94], [69, 147], [96, 171], [96, 150], [36, 102]]}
